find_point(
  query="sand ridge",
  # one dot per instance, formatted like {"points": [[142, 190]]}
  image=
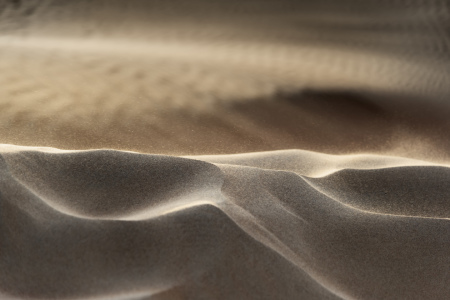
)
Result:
{"points": [[209, 149], [314, 224]]}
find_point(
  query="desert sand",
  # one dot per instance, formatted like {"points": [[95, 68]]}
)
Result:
{"points": [[224, 149]]}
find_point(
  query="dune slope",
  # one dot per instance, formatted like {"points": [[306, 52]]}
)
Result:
{"points": [[275, 225], [182, 184]]}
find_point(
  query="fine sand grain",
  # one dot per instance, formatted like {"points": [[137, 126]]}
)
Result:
{"points": [[209, 149], [275, 225]]}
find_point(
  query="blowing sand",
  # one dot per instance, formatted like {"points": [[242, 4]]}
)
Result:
{"points": [[224, 150]]}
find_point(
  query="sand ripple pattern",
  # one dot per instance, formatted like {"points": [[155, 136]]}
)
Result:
{"points": [[289, 224], [218, 90]]}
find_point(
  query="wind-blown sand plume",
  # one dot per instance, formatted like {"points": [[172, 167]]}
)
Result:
{"points": [[198, 149], [338, 227]]}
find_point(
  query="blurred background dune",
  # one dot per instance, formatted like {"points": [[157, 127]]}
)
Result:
{"points": [[209, 77]]}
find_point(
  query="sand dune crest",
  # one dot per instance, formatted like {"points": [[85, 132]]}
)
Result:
{"points": [[85, 198]]}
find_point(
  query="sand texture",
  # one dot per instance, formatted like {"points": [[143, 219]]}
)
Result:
{"points": [[231, 150], [274, 225]]}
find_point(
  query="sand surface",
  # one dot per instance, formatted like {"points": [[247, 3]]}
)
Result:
{"points": [[224, 149]]}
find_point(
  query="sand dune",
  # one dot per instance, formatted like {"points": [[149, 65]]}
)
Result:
{"points": [[264, 149], [220, 77], [276, 225]]}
